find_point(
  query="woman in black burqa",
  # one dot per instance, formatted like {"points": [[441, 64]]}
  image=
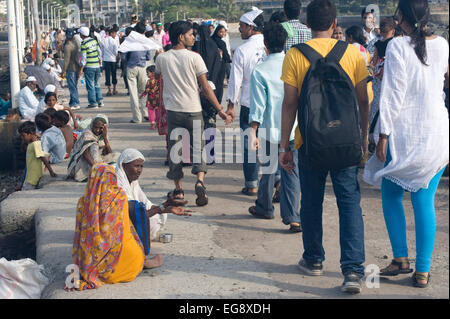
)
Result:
{"points": [[209, 51]]}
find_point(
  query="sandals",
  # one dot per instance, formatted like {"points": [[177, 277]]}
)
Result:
{"points": [[416, 277], [401, 268], [200, 191], [175, 193]]}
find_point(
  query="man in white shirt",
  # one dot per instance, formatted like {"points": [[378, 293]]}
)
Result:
{"points": [[369, 31], [110, 50], [182, 70], [245, 58], [159, 32], [26, 100]]}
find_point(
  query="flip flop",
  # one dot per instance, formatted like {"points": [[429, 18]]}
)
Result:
{"points": [[200, 191]]}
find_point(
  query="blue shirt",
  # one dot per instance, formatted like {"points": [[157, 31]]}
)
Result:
{"points": [[266, 97], [136, 58]]}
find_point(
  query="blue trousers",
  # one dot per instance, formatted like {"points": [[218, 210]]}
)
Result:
{"points": [[351, 225], [250, 169], [94, 90], [72, 83], [289, 191], [424, 219]]}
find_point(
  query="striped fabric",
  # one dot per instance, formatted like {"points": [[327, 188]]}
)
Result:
{"points": [[301, 34], [90, 48]]}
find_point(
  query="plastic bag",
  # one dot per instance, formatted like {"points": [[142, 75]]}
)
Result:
{"points": [[21, 279]]}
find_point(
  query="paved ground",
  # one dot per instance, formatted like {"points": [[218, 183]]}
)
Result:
{"points": [[221, 251]]}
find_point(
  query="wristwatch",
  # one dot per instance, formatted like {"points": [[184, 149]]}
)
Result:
{"points": [[284, 150]]}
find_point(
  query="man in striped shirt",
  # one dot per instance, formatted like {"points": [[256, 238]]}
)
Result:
{"points": [[90, 64], [297, 31]]}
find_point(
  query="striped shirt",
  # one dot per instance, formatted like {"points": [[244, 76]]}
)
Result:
{"points": [[301, 34], [90, 52]]}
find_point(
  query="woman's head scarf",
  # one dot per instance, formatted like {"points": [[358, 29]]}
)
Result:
{"points": [[209, 51], [127, 156]]}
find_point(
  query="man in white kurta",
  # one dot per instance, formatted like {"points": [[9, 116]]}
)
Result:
{"points": [[245, 58], [26, 100]]}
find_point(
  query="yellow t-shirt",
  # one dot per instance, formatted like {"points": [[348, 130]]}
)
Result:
{"points": [[296, 65], [35, 166]]}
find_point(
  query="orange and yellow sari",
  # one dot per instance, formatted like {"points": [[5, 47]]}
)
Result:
{"points": [[106, 247]]}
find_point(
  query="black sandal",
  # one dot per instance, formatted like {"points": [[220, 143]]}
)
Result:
{"points": [[400, 270], [173, 194], [200, 191], [417, 276], [246, 191]]}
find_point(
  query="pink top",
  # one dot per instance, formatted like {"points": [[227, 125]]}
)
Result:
{"points": [[166, 39]]}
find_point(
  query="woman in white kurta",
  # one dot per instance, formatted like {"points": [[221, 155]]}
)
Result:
{"points": [[134, 191], [413, 137]]}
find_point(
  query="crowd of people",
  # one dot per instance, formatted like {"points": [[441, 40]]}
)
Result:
{"points": [[320, 98]]}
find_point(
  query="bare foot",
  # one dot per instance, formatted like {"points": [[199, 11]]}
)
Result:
{"points": [[154, 262]]}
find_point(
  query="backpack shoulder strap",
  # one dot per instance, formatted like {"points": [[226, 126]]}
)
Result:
{"points": [[311, 54], [338, 51]]}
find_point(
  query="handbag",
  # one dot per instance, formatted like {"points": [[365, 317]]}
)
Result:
{"points": [[138, 216]]}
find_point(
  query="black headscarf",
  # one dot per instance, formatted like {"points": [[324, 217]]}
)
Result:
{"points": [[209, 52], [221, 44]]}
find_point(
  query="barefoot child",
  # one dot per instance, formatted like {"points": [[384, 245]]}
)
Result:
{"points": [[61, 120], [35, 159], [51, 101], [152, 91], [52, 139]]}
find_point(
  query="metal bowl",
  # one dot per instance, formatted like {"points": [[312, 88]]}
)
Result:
{"points": [[165, 238]]}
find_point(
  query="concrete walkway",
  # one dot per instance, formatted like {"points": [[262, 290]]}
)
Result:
{"points": [[221, 251]]}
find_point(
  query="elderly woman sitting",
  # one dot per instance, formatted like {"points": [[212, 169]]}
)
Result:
{"points": [[92, 146], [106, 247], [128, 169]]}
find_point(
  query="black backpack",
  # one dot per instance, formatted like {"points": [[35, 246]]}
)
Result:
{"points": [[328, 112]]}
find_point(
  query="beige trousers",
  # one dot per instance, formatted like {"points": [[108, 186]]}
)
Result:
{"points": [[137, 79]]}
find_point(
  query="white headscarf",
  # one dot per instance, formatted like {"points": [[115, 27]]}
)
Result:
{"points": [[250, 16], [138, 42], [133, 190], [49, 88]]}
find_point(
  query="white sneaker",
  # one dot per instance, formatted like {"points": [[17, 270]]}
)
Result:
{"points": [[75, 107]]}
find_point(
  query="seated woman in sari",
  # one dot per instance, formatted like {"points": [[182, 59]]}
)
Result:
{"points": [[92, 146], [106, 247]]}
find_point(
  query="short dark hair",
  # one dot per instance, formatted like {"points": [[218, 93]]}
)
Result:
{"points": [[357, 35], [140, 27], [178, 28], [61, 116], [274, 37], [128, 30], [43, 122], [278, 17], [320, 14], [48, 95], [151, 68], [259, 21], [292, 9], [149, 34], [27, 127], [364, 12], [387, 24], [50, 111]]}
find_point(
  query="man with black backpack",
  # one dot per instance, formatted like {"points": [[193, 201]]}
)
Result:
{"points": [[325, 81]]}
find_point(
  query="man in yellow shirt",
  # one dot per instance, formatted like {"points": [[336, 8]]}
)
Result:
{"points": [[321, 18]]}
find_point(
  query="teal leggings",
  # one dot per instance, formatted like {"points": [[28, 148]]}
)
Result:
{"points": [[424, 216]]}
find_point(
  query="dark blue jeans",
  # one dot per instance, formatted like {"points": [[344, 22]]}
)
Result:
{"points": [[94, 90], [250, 169], [72, 83], [289, 191], [351, 225]]}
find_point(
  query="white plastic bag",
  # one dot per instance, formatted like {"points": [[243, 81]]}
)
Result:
{"points": [[21, 279]]}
